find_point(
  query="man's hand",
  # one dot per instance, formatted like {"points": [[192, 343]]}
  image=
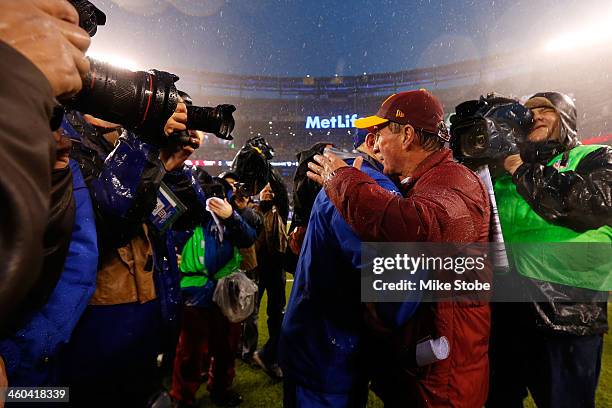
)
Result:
{"points": [[222, 208], [47, 33], [328, 164], [178, 120], [174, 159], [513, 162]]}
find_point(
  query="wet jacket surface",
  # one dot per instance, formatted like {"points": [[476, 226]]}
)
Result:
{"points": [[124, 188], [581, 200], [321, 337], [31, 353], [27, 156], [444, 202]]}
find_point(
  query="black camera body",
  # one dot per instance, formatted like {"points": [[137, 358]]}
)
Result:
{"points": [[252, 165], [486, 130], [140, 101], [214, 190]]}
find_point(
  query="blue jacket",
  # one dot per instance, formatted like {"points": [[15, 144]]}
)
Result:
{"points": [[237, 233], [321, 333], [30, 355], [125, 194]]}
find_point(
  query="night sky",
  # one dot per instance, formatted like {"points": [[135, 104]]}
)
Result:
{"points": [[323, 38]]}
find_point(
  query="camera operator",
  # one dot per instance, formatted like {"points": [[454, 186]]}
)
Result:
{"points": [[556, 191], [133, 314], [42, 51]]}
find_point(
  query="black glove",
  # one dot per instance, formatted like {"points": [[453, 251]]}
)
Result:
{"points": [[540, 152]]}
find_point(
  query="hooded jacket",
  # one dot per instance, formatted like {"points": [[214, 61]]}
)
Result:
{"points": [[578, 202]]}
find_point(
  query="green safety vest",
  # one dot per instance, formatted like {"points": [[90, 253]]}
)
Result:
{"points": [[581, 259], [193, 263]]}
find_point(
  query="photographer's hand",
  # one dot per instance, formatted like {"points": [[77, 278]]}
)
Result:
{"points": [[222, 208], [173, 159], [178, 120], [46, 32]]}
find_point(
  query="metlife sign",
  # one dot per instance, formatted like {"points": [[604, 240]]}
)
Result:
{"points": [[334, 122]]}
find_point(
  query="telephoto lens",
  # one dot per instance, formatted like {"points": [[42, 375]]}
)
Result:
{"points": [[143, 101], [218, 120], [140, 101]]}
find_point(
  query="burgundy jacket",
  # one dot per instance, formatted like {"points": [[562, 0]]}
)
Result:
{"points": [[443, 202]]}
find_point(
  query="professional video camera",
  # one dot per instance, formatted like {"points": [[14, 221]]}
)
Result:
{"points": [[488, 129], [252, 165], [140, 101]]}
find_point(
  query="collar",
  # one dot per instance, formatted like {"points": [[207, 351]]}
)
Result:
{"points": [[443, 155]]}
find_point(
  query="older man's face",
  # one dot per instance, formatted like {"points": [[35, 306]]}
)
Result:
{"points": [[388, 147], [546, 125]]}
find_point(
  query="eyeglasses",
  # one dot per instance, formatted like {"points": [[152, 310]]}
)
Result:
{"points": [[396, 127]]}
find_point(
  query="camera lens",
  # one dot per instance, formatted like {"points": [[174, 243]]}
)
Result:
{"points": [[140, 101], [474, 140], [217, 120]]}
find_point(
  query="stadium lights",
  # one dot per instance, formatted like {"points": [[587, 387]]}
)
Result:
{"points": [[596, 33], [115, 60]]}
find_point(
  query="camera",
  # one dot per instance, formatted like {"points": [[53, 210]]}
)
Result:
{"points": [[241, 190], [214, 190], [142, 101], [488, 129], [90, 17], [252, 165]]}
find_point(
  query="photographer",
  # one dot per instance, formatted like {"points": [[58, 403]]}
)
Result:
{"points": [[208, 340], [42, 51], [133, 314], [243, 205], [556, 191], [270, 247]]}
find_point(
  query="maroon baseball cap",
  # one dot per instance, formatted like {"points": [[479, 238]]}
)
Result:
{"points": [[419, 109]]}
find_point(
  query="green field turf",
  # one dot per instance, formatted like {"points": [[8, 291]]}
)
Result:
{"points": [[259, 390]]}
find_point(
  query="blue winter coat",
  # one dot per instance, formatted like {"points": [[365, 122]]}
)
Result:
{"points": [[321, 332], [30, 355]]}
